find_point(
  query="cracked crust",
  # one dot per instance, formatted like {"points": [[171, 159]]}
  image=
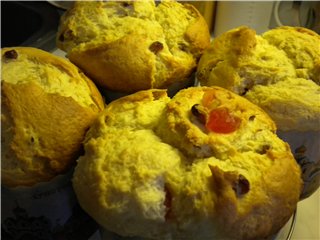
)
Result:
{"points": [[153, 172], [115, 48], [43, 117], [278, 70]]}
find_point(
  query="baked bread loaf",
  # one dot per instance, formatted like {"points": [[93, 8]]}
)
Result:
{"points": [[47, 105], [134, 45], [293, 103], [278, 70], [205, 164], [302, 47]]}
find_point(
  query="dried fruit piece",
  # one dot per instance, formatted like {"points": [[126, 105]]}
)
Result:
{"points": [[200, 116], [155, 47], [11, 54], [66, 35], [221, 121], [242, 186], [125, 4], [264, 149], [251, 118]]}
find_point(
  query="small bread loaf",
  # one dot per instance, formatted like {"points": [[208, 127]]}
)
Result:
{"points": [[278, 70], [47, 105], [302, 47], [134, 45], [293, 103], [205, 164]]}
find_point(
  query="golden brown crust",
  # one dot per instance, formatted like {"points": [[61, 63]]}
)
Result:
{"points": [[278, 70], [199, 39], [158, 171], [106, 56], [42, 129], [136, 45], [302, 47]]}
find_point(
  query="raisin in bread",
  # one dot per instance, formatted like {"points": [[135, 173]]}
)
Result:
{"points": [[205, 164], [47, 105], [134, 45]]}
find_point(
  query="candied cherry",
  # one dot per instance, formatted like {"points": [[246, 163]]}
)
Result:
{"points": [[221, 121]]}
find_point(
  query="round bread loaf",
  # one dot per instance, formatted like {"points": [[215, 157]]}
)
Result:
{"points": [[47, 105], [205, 164], [302, 47], [293, 103], [134, 45], [279, 71]]}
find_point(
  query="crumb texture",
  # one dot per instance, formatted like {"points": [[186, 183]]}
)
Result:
{"points": [[47, 105], [130, 46], [205, 164], [278, 70]]}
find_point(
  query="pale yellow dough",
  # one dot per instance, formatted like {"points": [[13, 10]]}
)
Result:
{"points": [[47, 105], [134, 45], [279, 70], [150, 170]]}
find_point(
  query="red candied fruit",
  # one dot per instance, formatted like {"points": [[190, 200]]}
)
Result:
{"points": [[208, 98], [221, 121]]}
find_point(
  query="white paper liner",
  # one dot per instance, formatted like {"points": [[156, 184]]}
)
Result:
{"points": [[305, 147], [45, 211]]}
